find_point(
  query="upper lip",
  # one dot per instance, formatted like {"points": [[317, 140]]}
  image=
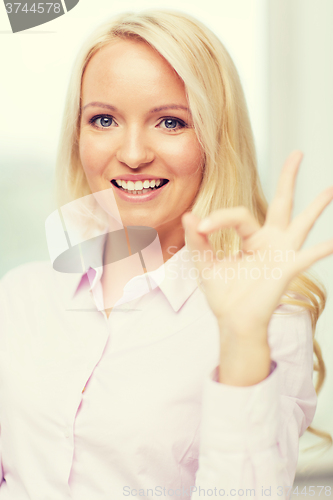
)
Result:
{"points": [[138, 177]]}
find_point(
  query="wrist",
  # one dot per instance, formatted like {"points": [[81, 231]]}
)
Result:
{"points": [[243, 334], [244, 361]]}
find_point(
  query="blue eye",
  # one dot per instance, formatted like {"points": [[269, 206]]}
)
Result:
{"points": [[169, 122], [104, 121]]}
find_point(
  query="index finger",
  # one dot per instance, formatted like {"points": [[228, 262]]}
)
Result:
{"points": [[240, 218]]}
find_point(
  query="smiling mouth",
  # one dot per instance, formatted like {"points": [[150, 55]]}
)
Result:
{"points": [[140, 191]]}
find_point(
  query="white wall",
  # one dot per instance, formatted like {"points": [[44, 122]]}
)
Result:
{"points": [[301, 117]]}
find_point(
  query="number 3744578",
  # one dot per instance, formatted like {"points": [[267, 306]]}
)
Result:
{"points": [[35, 8], [306, 491]]}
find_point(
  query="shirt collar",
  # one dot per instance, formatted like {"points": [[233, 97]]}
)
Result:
{"points": [[89, 275], [178, 284], [180, 279]]}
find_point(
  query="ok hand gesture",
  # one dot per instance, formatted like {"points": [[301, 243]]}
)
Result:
{"points": [[244, 291]]}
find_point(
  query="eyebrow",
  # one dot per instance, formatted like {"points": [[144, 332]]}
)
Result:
{"points": [[154, 110]]}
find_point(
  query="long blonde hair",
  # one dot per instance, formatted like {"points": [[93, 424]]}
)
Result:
{"points": [[221, 120]]}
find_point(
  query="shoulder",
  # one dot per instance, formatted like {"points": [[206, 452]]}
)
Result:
{"points": [[20, 289], [32, 289], [26, 275], [35, 282]]}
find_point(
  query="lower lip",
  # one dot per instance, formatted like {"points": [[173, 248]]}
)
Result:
{"points": [[139, 198]]}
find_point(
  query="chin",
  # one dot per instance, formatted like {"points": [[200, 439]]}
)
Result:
{"points": [[138, 221]]}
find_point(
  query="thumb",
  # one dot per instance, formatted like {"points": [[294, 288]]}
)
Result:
{"points": [[201, 252]]}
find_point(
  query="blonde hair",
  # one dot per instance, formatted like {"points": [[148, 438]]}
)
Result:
{"points": [[221, 122]]}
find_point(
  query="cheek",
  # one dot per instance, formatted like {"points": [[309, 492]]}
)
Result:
{"points": [[93, 153], [186, 159]]}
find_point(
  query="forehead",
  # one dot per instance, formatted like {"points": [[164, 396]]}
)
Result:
{"points": [[130, 66]]}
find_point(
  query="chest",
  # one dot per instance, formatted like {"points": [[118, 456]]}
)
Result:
{"points": [[142, 368]]}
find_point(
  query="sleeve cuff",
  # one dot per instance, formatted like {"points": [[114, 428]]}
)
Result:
{"points": [[238, 419]]}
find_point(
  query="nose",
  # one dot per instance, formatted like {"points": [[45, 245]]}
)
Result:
{"points": [[133, 149]]}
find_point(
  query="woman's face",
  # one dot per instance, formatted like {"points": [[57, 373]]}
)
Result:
{"points": [[136, 127]]}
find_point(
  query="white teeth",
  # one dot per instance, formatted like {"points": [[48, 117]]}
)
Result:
{"points": [[138, 186]]}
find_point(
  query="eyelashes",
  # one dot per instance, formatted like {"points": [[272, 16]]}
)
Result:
{"points": [[101, 117], [181, 124], [93, 120], [106, 121]]}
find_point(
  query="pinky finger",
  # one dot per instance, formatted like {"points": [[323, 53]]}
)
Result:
{"points": [[308, 257]]}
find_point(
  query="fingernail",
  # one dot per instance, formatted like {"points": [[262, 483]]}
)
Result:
{"points": [[204, 225]]}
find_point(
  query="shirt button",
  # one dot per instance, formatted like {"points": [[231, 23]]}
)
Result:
{"points": [[67, 433]]}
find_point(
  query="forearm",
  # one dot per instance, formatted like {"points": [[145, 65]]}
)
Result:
{"points": [[243, 361]]}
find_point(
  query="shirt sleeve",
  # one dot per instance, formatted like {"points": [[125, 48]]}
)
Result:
{"points": [[250, 435]]}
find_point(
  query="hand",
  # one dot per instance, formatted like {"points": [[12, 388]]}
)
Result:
{"points": [[243, 293]]}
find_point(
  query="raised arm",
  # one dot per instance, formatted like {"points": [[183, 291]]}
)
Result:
{"points": [[272, 404], [250, 435]]}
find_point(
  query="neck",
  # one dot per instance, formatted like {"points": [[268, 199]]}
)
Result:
{"points": [[171, 239], [171, 242], [118, 271]]}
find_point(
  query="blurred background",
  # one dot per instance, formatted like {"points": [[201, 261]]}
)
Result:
{"points": [[283, 50]]}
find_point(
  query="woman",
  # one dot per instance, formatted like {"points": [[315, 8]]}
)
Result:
{"points": [[199, 389]]}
